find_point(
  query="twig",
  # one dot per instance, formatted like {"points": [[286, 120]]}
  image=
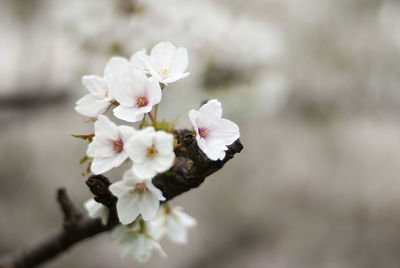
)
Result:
{"points": [[189, 172]]}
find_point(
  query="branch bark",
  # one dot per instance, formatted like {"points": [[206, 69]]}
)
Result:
{"points": [[190, 170]]}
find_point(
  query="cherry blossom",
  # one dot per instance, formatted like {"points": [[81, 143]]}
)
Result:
{"points": [[139, 244], [98, 99], [100, 94], [213, 133], [136, 197], [174, 223], [108, 145], [151, 152], [97, 210], [166, 63], [135, 92]]}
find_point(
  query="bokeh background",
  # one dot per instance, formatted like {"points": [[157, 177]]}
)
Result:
{"points": [[313, 85]]}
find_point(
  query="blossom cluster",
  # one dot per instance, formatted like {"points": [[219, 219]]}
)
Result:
{"points": [[133, 89]]}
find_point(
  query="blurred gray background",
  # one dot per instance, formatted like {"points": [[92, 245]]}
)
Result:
{"points": [[313, 85]]}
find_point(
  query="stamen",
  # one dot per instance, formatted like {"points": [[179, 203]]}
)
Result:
{"points": [[118, 145], [151, 151], [203, 132], [164, 72], [142, 101], [140, 188]]}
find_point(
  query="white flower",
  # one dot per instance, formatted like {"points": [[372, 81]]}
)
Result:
{"points": [[98, 99], [135, 92], [166, 63], [140, 245], [135, 61], [108, 145], [174, 223], [100, 95], [97, 210], [213, 133], [151, 152], [136, 196]]}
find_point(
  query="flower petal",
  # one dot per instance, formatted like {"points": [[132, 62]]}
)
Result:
{"points": [[161, 54], [127, 208], [179, 61], [91, 106], [144, 170], [104, 126], [164, 142], [130, 114], [149, 206], [154, 91], [101, 165], [211, 110], [226, 132], [162, 163], [96, 85], [120, 188]]}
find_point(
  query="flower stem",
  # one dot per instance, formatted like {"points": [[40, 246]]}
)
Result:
{"points": [[143, 122], [142, 226], [153, 120], [155, 112]]}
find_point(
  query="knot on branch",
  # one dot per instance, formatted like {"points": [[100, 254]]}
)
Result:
{"points": [[99, 186]]}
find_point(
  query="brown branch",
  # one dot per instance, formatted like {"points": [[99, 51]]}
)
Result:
{"points": [[190, 170]]}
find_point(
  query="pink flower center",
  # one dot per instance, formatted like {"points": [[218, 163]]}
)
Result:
{"points": [[203, 132], [118, 145], [142, 101], [140, 188]]}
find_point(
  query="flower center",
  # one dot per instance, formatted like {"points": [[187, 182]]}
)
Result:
{"points": [[142, 101], [164, 72], [151, 151], [118, 145], [140, 188], [203, 132]]}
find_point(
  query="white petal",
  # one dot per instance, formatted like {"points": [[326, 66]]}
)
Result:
{"points": [[186, 219], [175, 77], [154, 91], [149, 206], [162, 53], [91, 106], [155, 190], [123, 93], [119, 158], [179, 61], [162, 163], [104, 126], [158, 227], [137, 147], [135, 60], [115, 67], [164, 142], [211, 110], [211, 152], [97, 210], [226, 132], [131, 114], [126, 132], [101, 165], [176, 231], [96, 85], [101, 146], [120, 188], [127, 208], [144, 170]]}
